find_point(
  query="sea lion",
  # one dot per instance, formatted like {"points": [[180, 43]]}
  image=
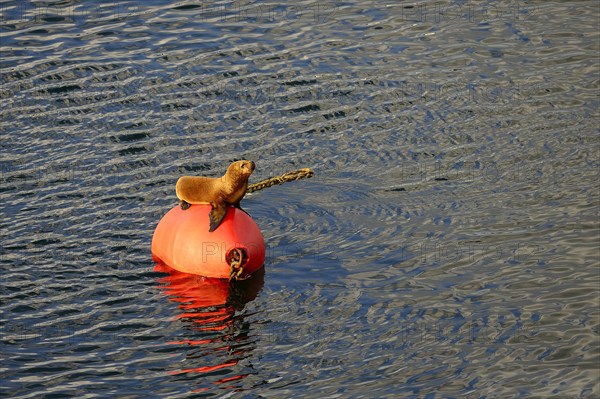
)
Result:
{"points": [[219, 192]]}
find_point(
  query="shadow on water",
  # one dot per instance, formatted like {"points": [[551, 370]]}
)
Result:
{"points": [[214, 333]]}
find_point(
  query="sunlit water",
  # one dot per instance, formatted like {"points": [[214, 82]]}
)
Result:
{"points": [[447, 246]]}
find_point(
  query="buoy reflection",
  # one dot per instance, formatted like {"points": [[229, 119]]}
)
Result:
{"points": [[217, 335]]}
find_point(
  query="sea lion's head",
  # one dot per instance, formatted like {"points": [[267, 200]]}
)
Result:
{"points": [[239, 172]]}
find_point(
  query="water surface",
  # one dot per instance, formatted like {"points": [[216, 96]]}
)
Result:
{"points": [[446, 247]]}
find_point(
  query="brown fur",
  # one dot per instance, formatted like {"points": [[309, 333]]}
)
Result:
{"points": [[219, 192]]}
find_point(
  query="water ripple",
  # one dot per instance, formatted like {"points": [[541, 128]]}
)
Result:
{"points": [[447, 244]]}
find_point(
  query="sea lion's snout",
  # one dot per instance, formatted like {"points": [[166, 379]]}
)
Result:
{"points": [[248, 166]]}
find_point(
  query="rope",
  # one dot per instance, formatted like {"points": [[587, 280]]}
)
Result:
{"points": [[289, 176], [236, 257]]}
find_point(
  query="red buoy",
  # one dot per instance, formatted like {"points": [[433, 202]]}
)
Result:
{"points": [[182, 241]]}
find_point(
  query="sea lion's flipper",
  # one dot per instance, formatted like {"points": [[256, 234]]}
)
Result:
{"points": [[216, 215], [184, 205], [240, 208]]}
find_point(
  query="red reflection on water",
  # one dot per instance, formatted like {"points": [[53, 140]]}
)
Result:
{"points": [[208, 305], [205, 369]]}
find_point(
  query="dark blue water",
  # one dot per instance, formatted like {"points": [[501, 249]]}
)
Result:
{"points": [[447, 247]]}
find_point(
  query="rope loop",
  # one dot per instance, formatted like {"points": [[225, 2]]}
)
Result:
{"points": [[237, 258]]}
